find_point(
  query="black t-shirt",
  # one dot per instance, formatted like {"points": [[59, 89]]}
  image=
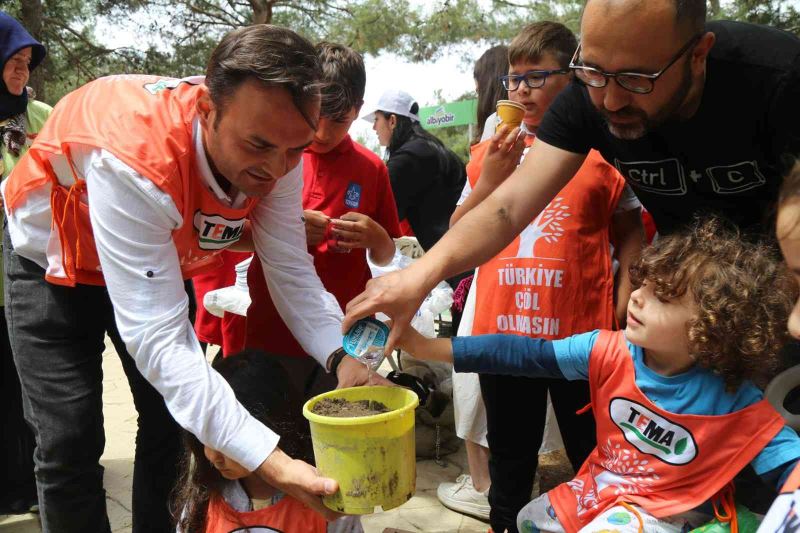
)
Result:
{"points": [[426, 185], [729, 158]]}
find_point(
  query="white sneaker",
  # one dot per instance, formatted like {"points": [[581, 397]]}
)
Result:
{"points": [[462, 497]]}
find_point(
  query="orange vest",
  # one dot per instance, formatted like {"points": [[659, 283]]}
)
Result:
{"points": [[664, 462], [555, 278], [287, 516], [147, 123], [792, 482]]}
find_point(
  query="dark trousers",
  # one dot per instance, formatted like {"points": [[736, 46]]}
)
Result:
{"points": [[516, 408], [18, 492], [56, 335]]}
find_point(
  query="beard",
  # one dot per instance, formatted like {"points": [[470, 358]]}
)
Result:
{"points": [[644, 123]]}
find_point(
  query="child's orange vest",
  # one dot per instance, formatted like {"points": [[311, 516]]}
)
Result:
{"points": [[287, 516], [664, 462], [555, 278], [147, 123]]}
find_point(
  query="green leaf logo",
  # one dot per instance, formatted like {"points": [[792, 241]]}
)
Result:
{"points": [[680, 446]]}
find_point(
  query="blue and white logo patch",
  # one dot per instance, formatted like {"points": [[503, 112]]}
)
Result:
{"points": [[352, 197]]}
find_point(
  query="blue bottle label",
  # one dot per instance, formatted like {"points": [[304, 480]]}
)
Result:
{"points": [[367, 334]]}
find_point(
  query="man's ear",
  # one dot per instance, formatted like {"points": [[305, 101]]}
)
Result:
{"points": [[205, 108], [701, 50]]}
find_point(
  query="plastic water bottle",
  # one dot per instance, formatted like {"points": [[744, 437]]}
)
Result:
{"points": [[365, 341]]}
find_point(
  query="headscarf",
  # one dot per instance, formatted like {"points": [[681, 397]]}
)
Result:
{"points": [[13, 38]]}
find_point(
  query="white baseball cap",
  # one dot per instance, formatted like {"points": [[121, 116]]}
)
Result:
{"points": [[394, 101]]}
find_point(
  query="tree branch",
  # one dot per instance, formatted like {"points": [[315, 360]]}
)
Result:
{"points": [[73, 59], [77, 34], [222, 17]]}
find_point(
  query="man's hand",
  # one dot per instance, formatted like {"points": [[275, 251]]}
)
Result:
{"points": [[353, 373], [316, 224], [357, 230], [397, 294], [502, 157], [299, 479]]}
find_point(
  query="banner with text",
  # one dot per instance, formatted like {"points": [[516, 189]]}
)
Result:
{"points": [[449, 114]]}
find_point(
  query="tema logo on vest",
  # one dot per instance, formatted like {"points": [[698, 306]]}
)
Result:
{"points": [[653, 434], [216, 232], [160, 85]]}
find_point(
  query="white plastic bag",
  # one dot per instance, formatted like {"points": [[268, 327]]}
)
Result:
{"points": [[438, 300], [234, 299]]}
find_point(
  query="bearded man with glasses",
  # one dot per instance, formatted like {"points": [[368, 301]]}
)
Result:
{"points": [[698, 118]]}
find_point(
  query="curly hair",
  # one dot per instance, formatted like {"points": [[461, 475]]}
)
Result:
{"points": [[743, 293]]}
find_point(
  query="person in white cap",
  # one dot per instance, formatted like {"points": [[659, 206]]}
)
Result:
{"points": [[426, 177]]}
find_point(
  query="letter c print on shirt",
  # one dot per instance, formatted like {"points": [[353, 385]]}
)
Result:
{"points": [[653, 434], [216, 232], [736, 178], [660, 177]]}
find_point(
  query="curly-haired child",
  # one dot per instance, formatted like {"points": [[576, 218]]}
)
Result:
{"points": [[215, 494], [788, 233], [788, 229], [674, 395]]}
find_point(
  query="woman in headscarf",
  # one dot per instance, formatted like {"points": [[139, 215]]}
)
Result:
{"points": [[21, 117]]}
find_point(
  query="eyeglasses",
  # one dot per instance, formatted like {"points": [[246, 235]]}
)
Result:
{"points": [[533, 78], [634, 82]]}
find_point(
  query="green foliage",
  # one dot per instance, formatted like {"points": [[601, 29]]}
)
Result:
{"points": [[456, 139], [186, 30], [781, 14], [370, 142]]}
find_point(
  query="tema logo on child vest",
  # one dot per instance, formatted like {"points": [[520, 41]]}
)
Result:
{"points": [[216, 232], [653, 434]]}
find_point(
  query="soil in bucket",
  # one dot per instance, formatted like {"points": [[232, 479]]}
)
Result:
{"points": [[341, 408]]}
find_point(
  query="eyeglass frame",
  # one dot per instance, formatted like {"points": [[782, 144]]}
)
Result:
{"points": [[650, 77], [522, 78]]}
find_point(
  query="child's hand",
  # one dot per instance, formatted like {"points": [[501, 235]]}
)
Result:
{"points": [[421, 347], [316, 224], [502, 156], [357, 230]]}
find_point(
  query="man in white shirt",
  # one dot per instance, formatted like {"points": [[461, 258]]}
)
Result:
{"points": [[154, 166]]}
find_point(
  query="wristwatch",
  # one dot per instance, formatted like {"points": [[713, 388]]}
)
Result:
{"points": [[334, 360]]}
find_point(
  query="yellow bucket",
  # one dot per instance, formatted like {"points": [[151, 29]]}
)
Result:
{"points": [[372, 457]]}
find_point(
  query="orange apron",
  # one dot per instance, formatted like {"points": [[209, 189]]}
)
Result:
{"points": [[147, 123], [287, 516], [555, 279], [664, 462]]}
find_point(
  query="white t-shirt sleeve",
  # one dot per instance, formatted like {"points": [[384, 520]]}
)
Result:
{"points": [[310, 312], [465, 193], [489, 126], [133, 222], [628, 200]]}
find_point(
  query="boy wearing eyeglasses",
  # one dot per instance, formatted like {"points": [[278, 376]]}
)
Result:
{"points": [[554, 280]]}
